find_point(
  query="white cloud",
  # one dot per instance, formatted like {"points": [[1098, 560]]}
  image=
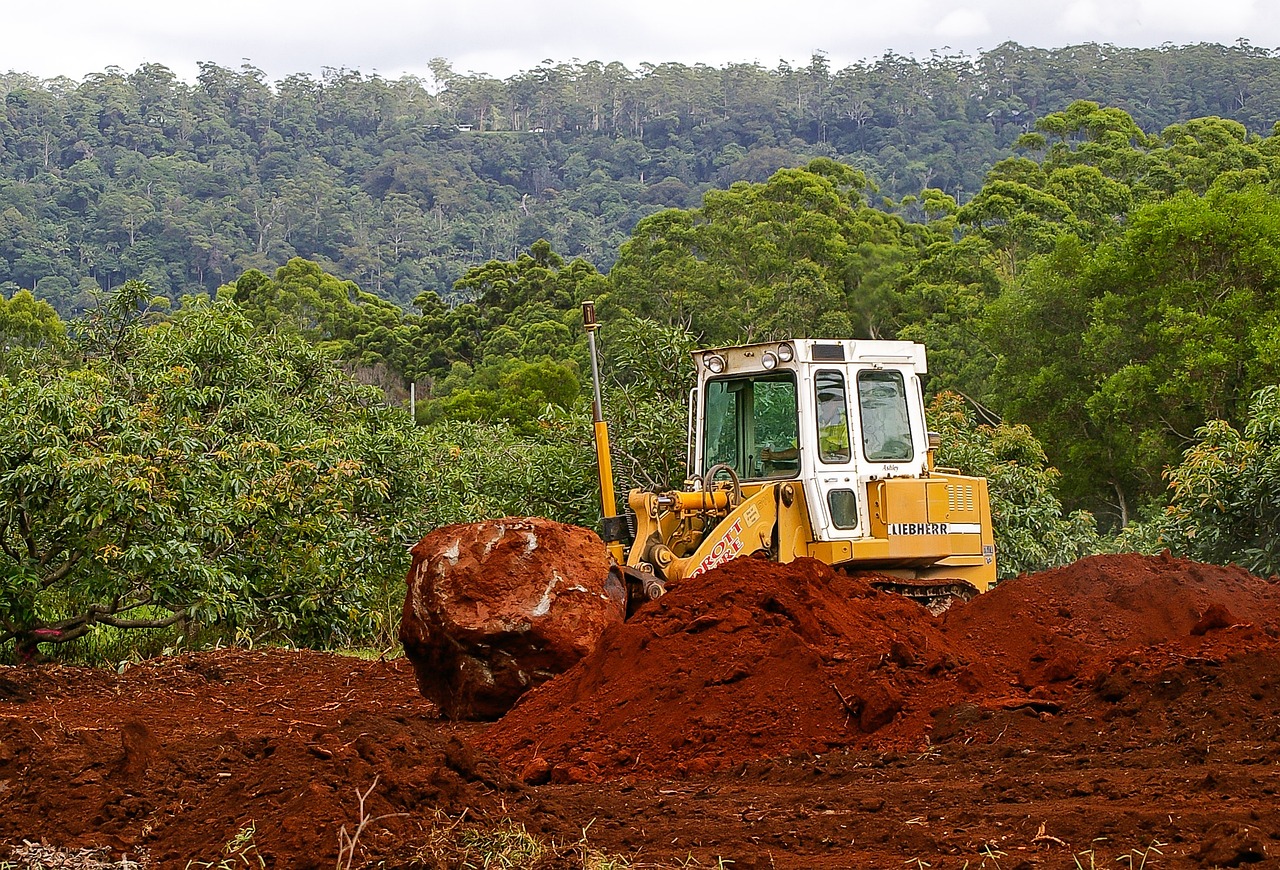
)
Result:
{"points": [[502, 37], [1193, 17], [963, 24], [1085, 20]]}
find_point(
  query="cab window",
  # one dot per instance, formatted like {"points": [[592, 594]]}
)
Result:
{"points": [[886, 426], [833, 417], [751, 424]]}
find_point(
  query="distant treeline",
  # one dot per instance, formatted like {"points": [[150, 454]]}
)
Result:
{"points": [[404, 185]]}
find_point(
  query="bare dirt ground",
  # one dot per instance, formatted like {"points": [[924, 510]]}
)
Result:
{"points": [[1121, 712]]}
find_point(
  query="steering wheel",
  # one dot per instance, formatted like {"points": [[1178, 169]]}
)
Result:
{"points": [[709, 478]]}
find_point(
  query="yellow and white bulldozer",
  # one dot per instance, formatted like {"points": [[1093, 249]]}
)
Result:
{"points": [[799, 448]]}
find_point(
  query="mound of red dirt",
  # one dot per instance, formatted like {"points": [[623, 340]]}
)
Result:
{"points": [[751, 660], [494, 608], [757, 660], [1055, 625]]}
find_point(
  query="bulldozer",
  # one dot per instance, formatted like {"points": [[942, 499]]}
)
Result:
{"points": [[804, 448]]}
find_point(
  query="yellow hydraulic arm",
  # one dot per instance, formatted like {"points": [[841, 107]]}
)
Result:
{"points": [[746, 529], [611, 523]]}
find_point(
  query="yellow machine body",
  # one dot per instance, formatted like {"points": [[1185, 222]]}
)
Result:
{"points": [[819, 449]]}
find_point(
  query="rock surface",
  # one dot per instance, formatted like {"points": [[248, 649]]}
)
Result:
{"points": [[497, 607]]}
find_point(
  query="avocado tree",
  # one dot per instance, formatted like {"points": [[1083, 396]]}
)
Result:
{"points": [[26, 322], [1225, 494], [213, 475]]}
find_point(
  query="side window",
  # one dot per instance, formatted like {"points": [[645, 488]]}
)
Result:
{"points": [[844, 508], [833, 417], [886, 427]]}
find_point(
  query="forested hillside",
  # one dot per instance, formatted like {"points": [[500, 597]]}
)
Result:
{"points": [[1099, 293], [403, 185]]}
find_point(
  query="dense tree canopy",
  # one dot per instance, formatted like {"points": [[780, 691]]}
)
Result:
{"points": [[404, 185], [1094, 293], [1138, 342], [800, 251]]}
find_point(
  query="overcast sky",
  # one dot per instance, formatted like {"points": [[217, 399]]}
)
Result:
{"points": [[503, 37]]}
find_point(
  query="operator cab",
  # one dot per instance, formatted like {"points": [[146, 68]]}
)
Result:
{"points": [[831, 415]]}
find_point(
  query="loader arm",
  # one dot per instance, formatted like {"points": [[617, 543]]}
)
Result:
{"points": [[748, 528]]}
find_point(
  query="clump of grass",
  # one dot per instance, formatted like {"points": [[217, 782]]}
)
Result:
{"points": [[508, 844], [239, 852], [457, 845]]}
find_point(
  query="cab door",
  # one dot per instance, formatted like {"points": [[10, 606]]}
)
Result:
{"points": [[838, 512]]}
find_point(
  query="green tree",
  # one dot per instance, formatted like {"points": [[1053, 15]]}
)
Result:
{"points": [[215, 476], [1116, 356], [799, 253], [1032, 530], [1017, 219], [27, 322], [539, 276], [511, 391], [1225, 494]]}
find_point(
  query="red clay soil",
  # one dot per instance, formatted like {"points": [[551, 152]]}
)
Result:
{"points": [[174, 757], [749, 661], [1122, 711], [756, 660]]}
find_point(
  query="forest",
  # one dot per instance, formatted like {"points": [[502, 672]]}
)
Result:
{"points": [[403, 185], [217, 297]]}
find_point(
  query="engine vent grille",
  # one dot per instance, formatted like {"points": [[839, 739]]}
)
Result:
{"points": [[960, 498]]}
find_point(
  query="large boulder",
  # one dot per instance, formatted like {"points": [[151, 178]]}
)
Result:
{"points": [[497, 607]]}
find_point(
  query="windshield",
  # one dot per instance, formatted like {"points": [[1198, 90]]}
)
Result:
{"points": [[750, 424]]}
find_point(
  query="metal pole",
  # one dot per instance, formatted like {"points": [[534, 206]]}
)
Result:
{"points": [[597, 408]]}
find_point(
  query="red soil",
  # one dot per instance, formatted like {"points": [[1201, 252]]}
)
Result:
{"points": [[175, 756], [757, 660], [1119, 710]]}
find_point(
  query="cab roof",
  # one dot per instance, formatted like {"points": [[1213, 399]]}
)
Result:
{"points": [[820, 350]]}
